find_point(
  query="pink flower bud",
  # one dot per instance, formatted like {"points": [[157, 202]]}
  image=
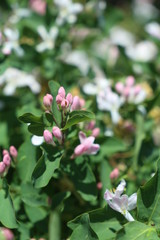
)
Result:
{"points": [[7, 160], [82, 102], [130, 81], [48, 137], [62, 92], [57, 133], [2, 167], [47, 101], [119, 87], [13, 151], [38, 6], [8, 234], [5, 152], [137, 89], [95, 132], [126, 91], [91, 125], [64, 104], [99, 185], [76, 103], [114, 174], [58, 99], [69, 98]]}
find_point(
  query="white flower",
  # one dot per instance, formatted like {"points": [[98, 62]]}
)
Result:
{"points": [[48, 38], [97, 86], [18, 14], [79, 59], [120, 36], [144, 51], [37, 140], [14, 78], [67, 11], [110, 101], [12, 42], [121, 203], [153, 29]]}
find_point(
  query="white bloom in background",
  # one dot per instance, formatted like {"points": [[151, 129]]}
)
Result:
{"points": [[37, 140], [67, 11], [96, 87], [48, 38], [144, 9], [79, 59], [110, 101], [144, 51], [121, 203], [12, 42], [14, 78], [18, 14], [153, 29], [120, 36]]}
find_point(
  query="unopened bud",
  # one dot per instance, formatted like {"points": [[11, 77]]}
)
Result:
{"points": [[13, 151], [95, 132], [5, 152], [114, 174], [58, 99], [126, 91], [2, 167], [119, 87], [7, 160], [76, 103], [137, 89], [69, 98], [47, 101], [99, 185], [62, 92], [57, 133], [7, 233], [130, 81], [64, 104], [48, 137]]}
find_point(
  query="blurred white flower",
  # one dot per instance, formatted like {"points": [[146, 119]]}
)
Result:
{"points": [[107, 100], [37, 140], [144, 10], [48, 38], [18, 14], [14, 78], [120, 36], [144, 51], [67, 11], [12, 42], [79, 59], [153, 29], [97, 86]]}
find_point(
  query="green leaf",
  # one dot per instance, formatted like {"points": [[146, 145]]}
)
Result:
{"points": [[103, 221], [77, 117], [26, 161], [85, 183], [137, 231], [46, 166], [59, 198], [32, 197], [148, 202], [84, 230], [7, 214], [35, 214], [36, 123], [54, 87]]}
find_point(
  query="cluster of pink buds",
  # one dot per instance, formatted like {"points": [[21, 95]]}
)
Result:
{"points": [[6, 162], [7, 233], [48, 136], [91, 126], [86, 146], [114, 174], [63, 101], [130, 91]]}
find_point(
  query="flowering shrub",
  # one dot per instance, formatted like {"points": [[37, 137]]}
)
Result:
{"points": [[79, 120]]}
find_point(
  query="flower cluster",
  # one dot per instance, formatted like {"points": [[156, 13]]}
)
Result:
{"points": [[6, 162]]}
